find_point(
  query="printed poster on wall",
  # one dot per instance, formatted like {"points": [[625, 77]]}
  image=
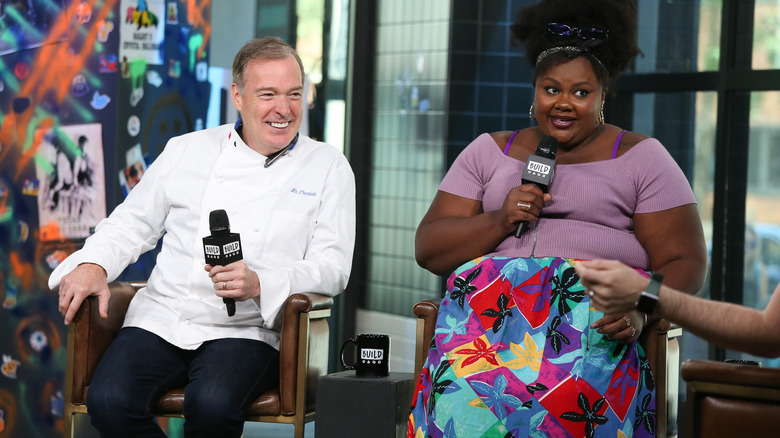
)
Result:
{"points": [[72, 195], [142, 33]]}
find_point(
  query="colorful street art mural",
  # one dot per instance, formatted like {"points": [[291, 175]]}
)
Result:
{"points": [[90, 92]]}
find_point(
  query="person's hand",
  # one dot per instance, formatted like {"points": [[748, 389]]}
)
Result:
{"points": [[612, 286], [524, 203], [235, 281], [87, 279], [624, 328]]}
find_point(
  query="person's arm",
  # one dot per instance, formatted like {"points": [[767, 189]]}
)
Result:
{"points": [[675, 245], [327, 262], [130, 230], [456, 230], [616, 287], [674, 242], [134, 226]]}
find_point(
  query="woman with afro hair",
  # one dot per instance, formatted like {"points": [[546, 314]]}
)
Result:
{"points": [[518, 350]]}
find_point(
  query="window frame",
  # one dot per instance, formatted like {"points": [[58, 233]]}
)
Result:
{"points": [[734, 81]]}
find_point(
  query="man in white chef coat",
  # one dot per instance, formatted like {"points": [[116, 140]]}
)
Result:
{"points": [[291, 199]]}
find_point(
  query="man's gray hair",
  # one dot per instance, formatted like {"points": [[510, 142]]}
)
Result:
{"points": [[262, 48]]}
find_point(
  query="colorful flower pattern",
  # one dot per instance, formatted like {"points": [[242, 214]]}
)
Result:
{"points": [[513, 356]]}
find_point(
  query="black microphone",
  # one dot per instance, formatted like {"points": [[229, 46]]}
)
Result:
{"points": [[539, 170], [222, 248]]}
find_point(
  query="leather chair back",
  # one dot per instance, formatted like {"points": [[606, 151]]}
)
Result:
{"points": [[730, 400]]}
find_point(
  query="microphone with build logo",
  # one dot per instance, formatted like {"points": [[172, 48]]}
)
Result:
{"points": [[539, 170], [222, 248]]}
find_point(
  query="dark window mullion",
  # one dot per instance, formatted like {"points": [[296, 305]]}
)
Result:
{"points": [[731, 157], [734, 81], [358, 134]]}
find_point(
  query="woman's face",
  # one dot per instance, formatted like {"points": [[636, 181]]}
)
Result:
{"points": [[567, 101]]}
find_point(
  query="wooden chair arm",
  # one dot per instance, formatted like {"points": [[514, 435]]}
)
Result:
{"points": [[308, 301], [662, 348], [728, 400], [426, 312], [303, 321], [730, 374], [89, 335], [654, 336]]}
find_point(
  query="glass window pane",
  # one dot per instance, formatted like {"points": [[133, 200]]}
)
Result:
{"points": [[685, 124], [679, 36], [704, 161], [408, 146], [762, 207], [766, 35], [310, 15]]}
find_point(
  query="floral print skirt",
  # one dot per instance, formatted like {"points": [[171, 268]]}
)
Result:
{"points": [[513, 356]]}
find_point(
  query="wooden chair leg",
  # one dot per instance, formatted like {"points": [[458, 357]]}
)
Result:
{"points": [[299, 429], [67, 430]]}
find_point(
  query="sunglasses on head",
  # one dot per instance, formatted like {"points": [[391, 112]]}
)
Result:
{"points": [[586, 34]]}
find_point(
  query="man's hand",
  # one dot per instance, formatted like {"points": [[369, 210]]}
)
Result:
{"points": [[235, 281], [613, 287], [87, 279]]}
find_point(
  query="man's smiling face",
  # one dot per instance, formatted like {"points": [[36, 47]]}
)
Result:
{"points": [[270, 103]]}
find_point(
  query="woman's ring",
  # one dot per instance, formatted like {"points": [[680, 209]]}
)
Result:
{"points": [[633, 332], [627, 320], [524, 205], [591, 293], [224, 285]]}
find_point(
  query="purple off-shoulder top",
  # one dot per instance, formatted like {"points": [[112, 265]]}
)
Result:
{"points": [[591, 213]]}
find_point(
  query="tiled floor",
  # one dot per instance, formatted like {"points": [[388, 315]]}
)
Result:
{"points": [[269, 430]]}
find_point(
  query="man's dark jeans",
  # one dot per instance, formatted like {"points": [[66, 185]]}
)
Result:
{"points": [[221, 378]]}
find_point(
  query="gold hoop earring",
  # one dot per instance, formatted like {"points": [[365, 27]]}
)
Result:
{"points": [[531, 113], [601, 114]]}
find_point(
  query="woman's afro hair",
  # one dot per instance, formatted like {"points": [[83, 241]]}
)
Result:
{"points": [[618, 17]]}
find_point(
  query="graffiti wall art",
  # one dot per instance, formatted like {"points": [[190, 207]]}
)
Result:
{"points": [[90, 91]]}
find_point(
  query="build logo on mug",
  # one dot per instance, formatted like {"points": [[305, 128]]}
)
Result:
{"points": [[372, 355]]}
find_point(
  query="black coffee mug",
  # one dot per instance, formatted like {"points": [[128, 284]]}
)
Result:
{"points": [[373, 355]]}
